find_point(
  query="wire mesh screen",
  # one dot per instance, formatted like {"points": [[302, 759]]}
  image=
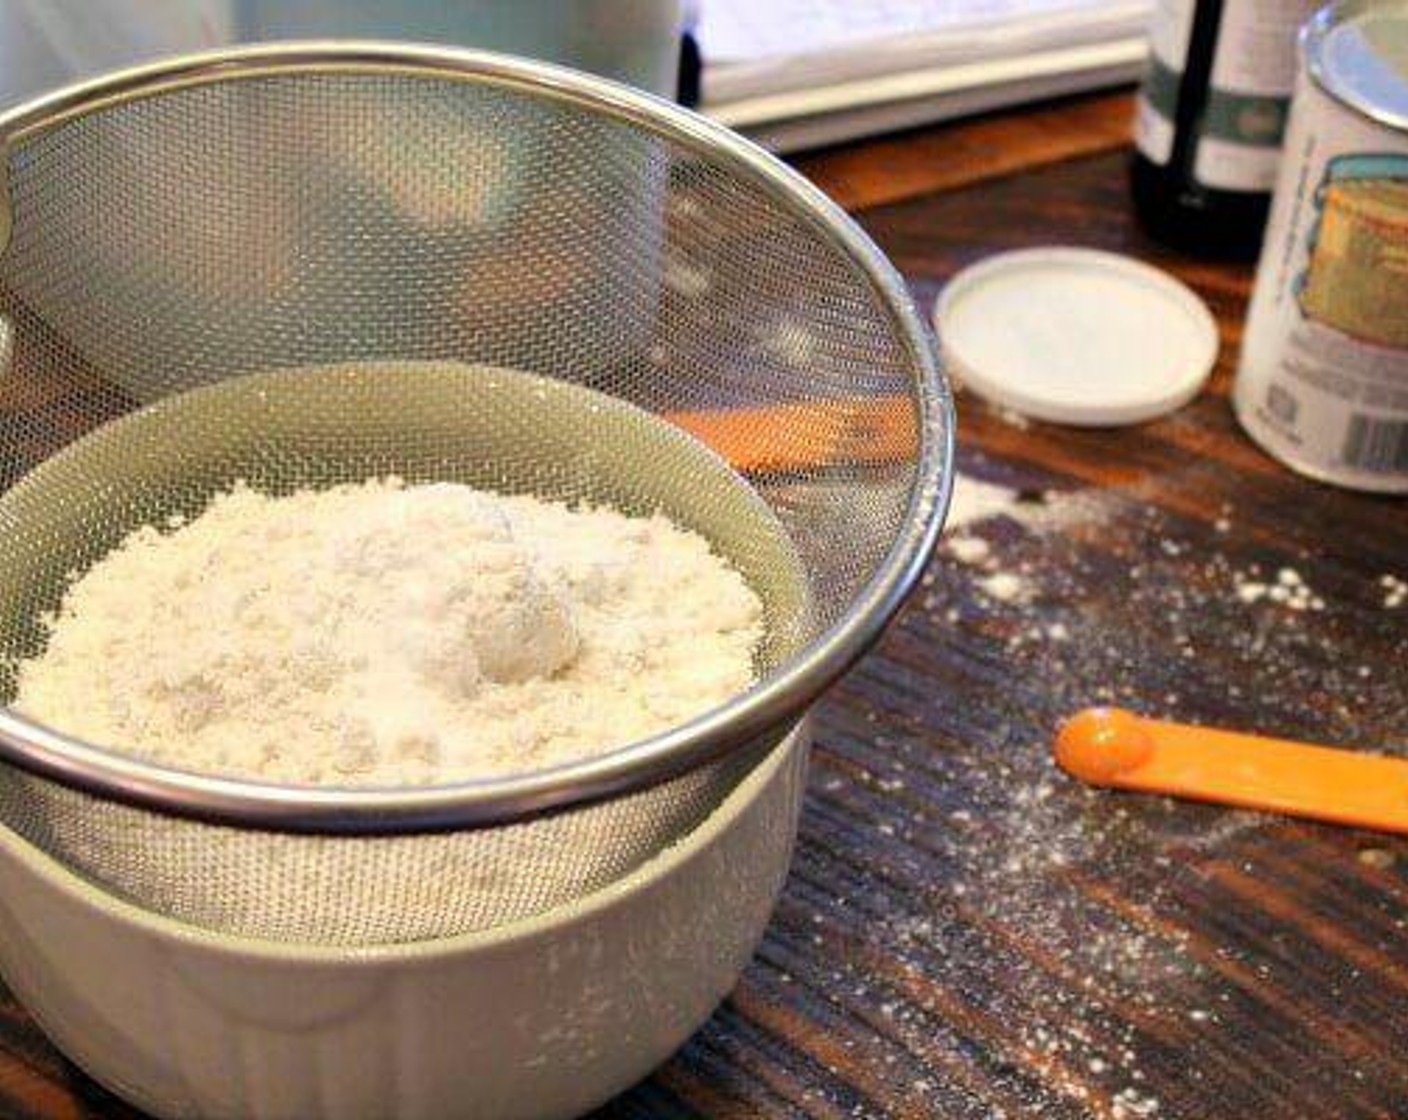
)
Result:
{"points": [[303, 278]]}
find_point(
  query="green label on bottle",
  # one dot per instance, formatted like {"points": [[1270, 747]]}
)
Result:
{"points": [[1244, 118], [1161, 87], [1253, 70]]}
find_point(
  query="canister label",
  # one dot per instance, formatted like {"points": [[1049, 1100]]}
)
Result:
{"points": [[1323, 379]]}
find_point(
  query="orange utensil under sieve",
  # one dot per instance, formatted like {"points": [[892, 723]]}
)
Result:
{"points": [[1113, 747]]}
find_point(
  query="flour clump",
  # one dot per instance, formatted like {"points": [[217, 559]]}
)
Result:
{"points": [[392, 634]]}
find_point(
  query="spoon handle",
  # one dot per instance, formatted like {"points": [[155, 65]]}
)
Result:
{"points": [[1112, 747]]}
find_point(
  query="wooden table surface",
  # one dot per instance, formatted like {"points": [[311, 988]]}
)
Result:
{"points": [[967, 933]]}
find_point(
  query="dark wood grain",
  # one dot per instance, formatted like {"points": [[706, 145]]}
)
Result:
{"points": [[907, 165], [966, 933]]}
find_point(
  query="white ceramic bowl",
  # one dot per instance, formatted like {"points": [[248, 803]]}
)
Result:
{"points": [[545, 1018]]}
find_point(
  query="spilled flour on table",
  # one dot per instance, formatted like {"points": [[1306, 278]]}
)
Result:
{"points": [[1005, 953], [976, 501], [1287, 588]]}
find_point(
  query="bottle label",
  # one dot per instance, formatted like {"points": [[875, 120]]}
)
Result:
{"points": [[1253, 73], [1157, 104], [1236, 140]]}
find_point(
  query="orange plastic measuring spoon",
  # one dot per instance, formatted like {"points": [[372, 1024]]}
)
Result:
{"points": [[1113, 747]]}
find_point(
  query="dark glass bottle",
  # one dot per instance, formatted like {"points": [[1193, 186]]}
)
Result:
{"points": [[1209, 120]]}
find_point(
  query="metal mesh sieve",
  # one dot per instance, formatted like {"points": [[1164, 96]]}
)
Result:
{"points": [[307, 264]]}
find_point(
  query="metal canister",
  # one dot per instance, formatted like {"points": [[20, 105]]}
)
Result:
{"points": [[1323, 379]]}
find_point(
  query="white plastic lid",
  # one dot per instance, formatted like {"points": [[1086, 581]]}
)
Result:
{"points": [[1076, 336]]}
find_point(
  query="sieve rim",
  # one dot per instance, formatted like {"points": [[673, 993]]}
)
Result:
{"points": [[746, 719]]}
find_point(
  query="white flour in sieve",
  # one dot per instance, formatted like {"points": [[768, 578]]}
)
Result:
{"points": [[392, 634]]}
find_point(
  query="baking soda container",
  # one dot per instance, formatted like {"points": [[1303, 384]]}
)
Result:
{"points": [[1323, 379]]}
